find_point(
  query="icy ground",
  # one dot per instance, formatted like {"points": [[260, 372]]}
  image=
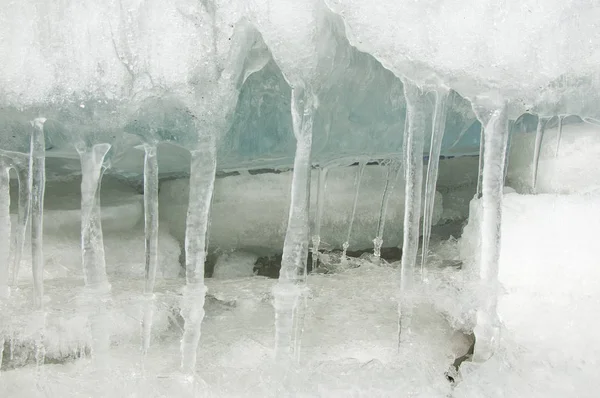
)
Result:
{"points": [[549, 347]]}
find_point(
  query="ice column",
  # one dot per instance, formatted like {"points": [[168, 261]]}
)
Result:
{"points": [[21, 166], [97, 291], [292, 276], [151, 239], [316, 238], [487, 328], [202, 180], [393, 169], [37, 182], [437, 134], [539, 137], [359, 173], [415, 141], [5, 227]]}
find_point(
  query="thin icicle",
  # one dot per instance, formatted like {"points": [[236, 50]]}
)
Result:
{"points": [[496, 136], [558, 139], [357, 180], [17, 244], [415, 142], [316, 238], [5, 226], [202, 182], [151, 239], [480, 172], [437, 134], [511, 124], [292, 276], [37, 183], [393, 170], [539, 138]]}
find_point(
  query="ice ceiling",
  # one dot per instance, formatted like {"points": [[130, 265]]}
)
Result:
{"points": [[170, 72]]}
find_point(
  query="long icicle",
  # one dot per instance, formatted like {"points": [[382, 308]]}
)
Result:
{"points": [[437, 134], [539, 138], [357, 180], [292, 276], [559, 137], [151, 239], [97, 291], [37, 183], [487, 328], [393, 170], [316, 238], [415, 142], [202, 181], [17, 245], [5, 228]]}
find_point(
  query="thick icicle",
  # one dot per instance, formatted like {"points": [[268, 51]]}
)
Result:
{"points": [[202, 181], [5, 226], [316, 238], [559, 137], [97, 291], [292, 276], [359, 173], [17, 244], [437, 134], [480, 172], [539, 138], [393, 170], [37, 182], [151, 239], [413, 173], [487, 328]]}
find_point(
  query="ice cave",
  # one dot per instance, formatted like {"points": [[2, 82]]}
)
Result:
{"points": [[299, 198]]}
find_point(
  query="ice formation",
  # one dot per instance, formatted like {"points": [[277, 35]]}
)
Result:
{"points": [[211, 87]]}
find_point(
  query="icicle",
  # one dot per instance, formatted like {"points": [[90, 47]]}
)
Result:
{"points": [[511, 124], [37, 182], [151, 239], [5, 226], [202, 181], [480, 172], [393, 170], [292, 276], [359, 173], [415, 142], [94, 264], [92, 247], [539, 137], [17, 245], [437, 134], [560, 127], [316, 238], [496, 136]]}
